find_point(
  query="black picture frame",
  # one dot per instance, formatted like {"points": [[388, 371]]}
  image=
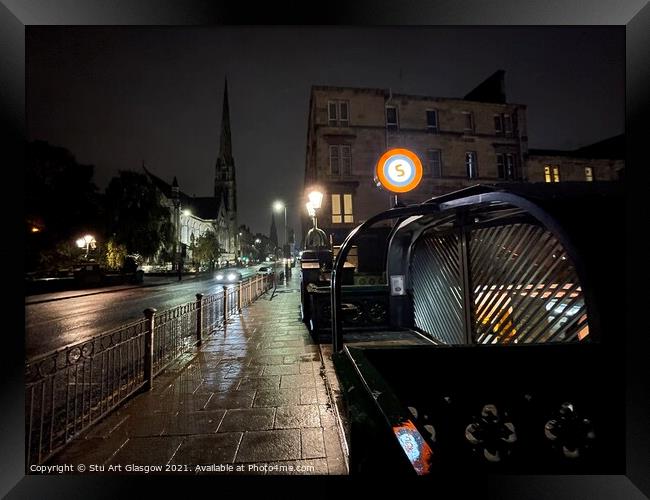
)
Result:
{"points": [[15, 15]]}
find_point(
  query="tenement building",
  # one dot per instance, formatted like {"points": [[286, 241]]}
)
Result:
{"points": [[460, 141]]}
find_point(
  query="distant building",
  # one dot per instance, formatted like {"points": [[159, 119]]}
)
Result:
{"points": [[602, 161], [193, 216], [460, 141]]}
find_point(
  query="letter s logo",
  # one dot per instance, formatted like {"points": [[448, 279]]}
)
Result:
{"points": [[400, 170]]}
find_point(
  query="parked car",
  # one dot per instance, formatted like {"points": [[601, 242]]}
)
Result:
{"points": [[227, 276], [265, 270]]}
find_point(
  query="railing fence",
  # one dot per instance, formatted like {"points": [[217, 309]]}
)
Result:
{"points": [[70, 389]]}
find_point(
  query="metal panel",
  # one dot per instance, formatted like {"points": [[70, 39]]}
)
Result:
{"points": [[436, 284], [525, 288]]}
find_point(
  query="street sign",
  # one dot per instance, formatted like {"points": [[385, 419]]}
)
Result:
{"points": [[399, 170]]}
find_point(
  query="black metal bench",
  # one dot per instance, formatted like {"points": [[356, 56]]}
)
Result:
{"points": [[516, 306]]}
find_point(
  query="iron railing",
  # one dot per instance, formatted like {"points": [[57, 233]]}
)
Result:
{"points": [[70, 389]]}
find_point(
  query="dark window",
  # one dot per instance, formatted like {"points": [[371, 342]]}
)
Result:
{"points": [[435, 162], [338, 113], [501, 167], [343, 113], [506, 168], [498, 125], [507, 124], [331, 112], [391, 117], [471, 164], [346, 160], [340, 159], [432, 120], [510, 167], [469, 121], [334, 160]]}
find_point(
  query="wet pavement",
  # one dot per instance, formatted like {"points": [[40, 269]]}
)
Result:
{"points": [[251, 401]]}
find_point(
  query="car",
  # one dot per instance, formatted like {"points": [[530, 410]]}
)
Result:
{"points": [[227, 276], [265, 270]]}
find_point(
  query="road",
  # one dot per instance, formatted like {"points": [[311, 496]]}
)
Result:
{"points": [[70, 318]]}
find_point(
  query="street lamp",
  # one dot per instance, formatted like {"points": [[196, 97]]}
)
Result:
{"points": [[278, 206], [315, 198], [86, 242], [316, 237]]}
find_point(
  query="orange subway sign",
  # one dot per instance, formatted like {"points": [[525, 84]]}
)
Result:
{"points": [[399, 170]]}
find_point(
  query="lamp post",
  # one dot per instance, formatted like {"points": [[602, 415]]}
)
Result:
{"points": [[316, 237], [86, 242], [278, 206]]}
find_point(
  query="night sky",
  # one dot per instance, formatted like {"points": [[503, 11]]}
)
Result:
{"points": [[117, 96]]}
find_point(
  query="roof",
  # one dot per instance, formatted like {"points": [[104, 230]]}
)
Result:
{"points": [[206, 207], [491, 90], [395, 95], [612, 148]]}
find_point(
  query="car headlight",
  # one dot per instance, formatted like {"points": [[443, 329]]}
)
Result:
{"points": [[231, 277], [219, 276]]}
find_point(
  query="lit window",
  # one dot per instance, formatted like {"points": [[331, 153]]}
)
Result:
{"points": [[469, 121], [340, 159], [434, 158], [556, 174], [346, 215], [470, 164], [547, 174], [336, 209], [589, 174], [498, 125], [432, 120], [391, 117]]}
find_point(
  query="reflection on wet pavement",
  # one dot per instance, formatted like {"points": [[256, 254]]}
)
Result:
{"points": [[253, 398]]}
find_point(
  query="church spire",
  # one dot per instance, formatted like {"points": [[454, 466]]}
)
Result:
{"points": [[225, 148]]}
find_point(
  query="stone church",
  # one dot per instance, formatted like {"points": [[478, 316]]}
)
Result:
{"points": [[192, 216]]}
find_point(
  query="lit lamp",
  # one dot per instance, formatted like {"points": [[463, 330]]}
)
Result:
{"points": [[86, 242], [316, 237], [315, 198], [310, 209]]}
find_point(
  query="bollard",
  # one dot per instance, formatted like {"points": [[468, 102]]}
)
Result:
{"points": [[225, 307], [199, 323], [239, 298], [149, 314]]}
